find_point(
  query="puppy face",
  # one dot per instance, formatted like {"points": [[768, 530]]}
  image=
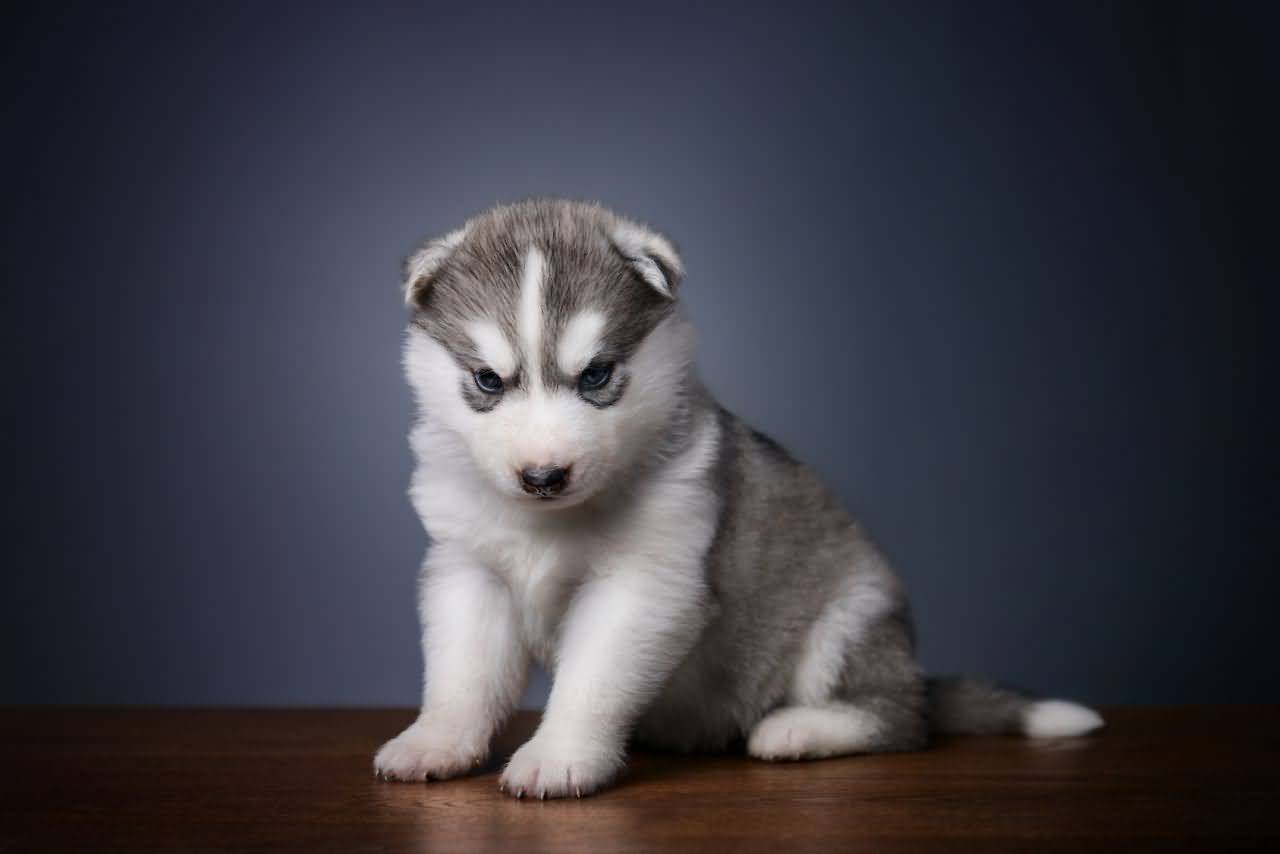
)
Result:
{"points": [[544, 334]]}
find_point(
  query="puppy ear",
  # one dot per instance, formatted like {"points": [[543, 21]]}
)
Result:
{"points": [[651, 255], [421, 267]]}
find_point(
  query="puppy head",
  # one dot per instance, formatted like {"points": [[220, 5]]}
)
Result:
{"points": [[545, 335]]}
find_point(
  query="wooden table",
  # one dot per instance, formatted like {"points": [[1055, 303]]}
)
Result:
{"points": [[1159, 778]]}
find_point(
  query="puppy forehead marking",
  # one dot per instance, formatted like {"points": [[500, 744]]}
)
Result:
{"points": [[529, 320], [493, 347], [580, 341]]}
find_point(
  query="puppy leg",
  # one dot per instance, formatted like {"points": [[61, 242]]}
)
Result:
{"points": [[857, 687], [623, 635], [476, 667]]}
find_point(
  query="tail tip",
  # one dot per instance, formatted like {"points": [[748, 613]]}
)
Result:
{"points": [[1059, 719]]}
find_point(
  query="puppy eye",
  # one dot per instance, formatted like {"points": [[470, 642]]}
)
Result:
{"points": [[595, 376], [488, 382]]}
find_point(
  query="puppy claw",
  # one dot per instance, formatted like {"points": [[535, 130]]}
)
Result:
{"points": [[577, 792], [520, 794], [542, 796]]}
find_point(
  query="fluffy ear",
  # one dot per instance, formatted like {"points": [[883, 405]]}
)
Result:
{"points": [[421, 267], [651, 255]]}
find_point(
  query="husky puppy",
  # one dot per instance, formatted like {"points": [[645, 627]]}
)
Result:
{"points": [[591, 507]]}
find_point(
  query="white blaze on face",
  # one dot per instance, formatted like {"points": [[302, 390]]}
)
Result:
{"points": [[529, 322], [493, 348], [580, 342], [541, 425]]}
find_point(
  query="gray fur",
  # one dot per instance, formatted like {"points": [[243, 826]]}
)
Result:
{"points": [[784, 545], [959, 704]]}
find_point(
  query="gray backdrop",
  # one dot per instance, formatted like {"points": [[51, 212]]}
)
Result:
{"points": [[994, 269]]}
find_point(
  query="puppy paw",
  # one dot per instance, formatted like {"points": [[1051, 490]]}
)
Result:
{"points": [[776, 738], [545, 768], [428, 752], [802, 732]]}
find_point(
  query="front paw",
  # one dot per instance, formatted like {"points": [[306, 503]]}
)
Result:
{"points": [[427, 751], [556, 768]]}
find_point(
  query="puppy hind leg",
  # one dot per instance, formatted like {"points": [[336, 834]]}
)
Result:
{"points": [[857, 687]]}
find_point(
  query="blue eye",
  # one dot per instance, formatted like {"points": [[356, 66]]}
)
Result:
{"points": [[488, 382], [595, 376]]}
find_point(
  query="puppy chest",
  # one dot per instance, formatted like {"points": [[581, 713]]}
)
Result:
{"points": [[543, 575]]}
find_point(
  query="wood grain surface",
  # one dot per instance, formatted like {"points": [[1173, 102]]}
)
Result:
{"points": [[1158, 778]]}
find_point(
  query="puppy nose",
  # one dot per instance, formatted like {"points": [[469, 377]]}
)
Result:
{"points": [[544, 480]]}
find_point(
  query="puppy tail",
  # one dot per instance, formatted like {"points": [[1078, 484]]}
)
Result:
{"points": [[963, 705]]}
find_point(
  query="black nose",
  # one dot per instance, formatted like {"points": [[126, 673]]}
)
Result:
{"points": [[544, 480]]}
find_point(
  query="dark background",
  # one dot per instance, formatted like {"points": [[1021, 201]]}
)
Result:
{"points": [[1028, 244]]}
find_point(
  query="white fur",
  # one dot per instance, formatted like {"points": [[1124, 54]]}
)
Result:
{"points": [[473, 649], [603, 586], [580, 342], [529, 320], [811, 732], [629, 624], [1059, 719], [493, 348], [539, 426]]}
